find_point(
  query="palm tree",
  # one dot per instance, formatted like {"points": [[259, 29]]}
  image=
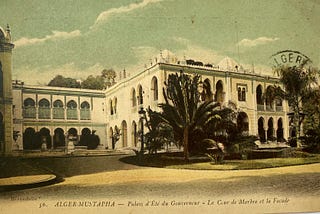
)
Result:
{"points": [[183, 111], [297, 82]]}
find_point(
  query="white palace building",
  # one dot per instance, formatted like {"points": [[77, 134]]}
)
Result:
{"points": [[55, 114]]}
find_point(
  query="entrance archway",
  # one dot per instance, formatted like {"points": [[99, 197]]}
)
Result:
{"points": [[85, 137], [73, 135], [270, 131], [58, 138], [261, 131], [280, 137], [29, 139], [45, 137]]}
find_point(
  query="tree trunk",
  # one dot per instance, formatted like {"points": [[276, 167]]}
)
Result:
{"points": [[186, 143]]}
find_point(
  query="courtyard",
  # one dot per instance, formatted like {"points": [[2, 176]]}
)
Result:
{"points": [[131, 187]]}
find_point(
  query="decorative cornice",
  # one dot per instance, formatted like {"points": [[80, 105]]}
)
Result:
{"points": [[62, 123]]}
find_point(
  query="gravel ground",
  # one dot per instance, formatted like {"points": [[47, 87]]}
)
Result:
{"points": [[297, 186], [294, 181]]}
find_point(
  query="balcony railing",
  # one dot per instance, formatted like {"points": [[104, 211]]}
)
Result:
{"points": [[85, 114], [72, 114], [279, 108], [260, 107], [44, 113], [29, 112], [269, 108], [58, 113]]}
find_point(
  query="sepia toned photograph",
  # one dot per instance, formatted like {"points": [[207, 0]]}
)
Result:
{"points": [[159, 106]]}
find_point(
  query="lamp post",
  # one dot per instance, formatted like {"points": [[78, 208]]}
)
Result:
{"points": [[142, 113]]}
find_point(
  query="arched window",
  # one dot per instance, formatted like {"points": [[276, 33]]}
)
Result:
{"points": [[140, 95], [134, 134], [72, 113], [259, 95], [58, 110], [154, 88], [269, 102], [206, 94], [29, 102], [115, 101], [85, 111], [85, 105], [57, 104], [71, 104], [111, 107], [44, 109], [44, 103], [133, 97], [29, 108], [219, 96]]}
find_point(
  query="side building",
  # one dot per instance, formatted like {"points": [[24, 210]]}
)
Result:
{"points": [[54, 115]]}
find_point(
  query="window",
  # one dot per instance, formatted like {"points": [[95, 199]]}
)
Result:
{"points": [[58, 110], [133, 97], [72, 113], [242, 92], [259, 96], [44, 109], [85, 111], [29, 110], [140, 96], [154, 88]]}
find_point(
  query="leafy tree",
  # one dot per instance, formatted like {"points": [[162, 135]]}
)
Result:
{"points": [[297, 82], [92, 82], [109, 75], [311, 107], [183, 111], [61, 81], [311, 125], [159, 134]]}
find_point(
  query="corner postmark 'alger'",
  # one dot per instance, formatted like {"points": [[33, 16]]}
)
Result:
{"points": [[289, 58]]}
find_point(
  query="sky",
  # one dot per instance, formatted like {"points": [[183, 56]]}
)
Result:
{"points": [[77, 38]]}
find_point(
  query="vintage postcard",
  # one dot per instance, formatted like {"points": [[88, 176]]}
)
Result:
{"points": [[159, 106]]}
